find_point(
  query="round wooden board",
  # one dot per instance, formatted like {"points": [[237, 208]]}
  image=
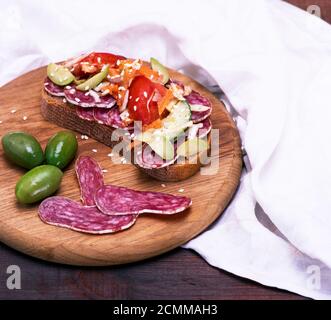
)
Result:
{"points": [[21, 228]]}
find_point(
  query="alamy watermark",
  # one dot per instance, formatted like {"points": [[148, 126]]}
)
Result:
{"points": [[14, 281], [313, 281], [200, 143]]}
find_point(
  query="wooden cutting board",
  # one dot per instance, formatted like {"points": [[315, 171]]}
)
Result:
{"points": [[21, 228]]}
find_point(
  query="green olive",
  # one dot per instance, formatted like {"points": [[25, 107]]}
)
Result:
{"points": [[61, 149], [38, 183], [22, 149]]}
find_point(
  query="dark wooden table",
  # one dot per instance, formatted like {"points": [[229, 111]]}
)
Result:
{"points": [[180, 274]]}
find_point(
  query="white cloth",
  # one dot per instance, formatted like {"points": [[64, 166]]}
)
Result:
{"points": [[273, 61]]}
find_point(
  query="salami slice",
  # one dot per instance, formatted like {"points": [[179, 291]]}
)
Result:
{"points": [[63, 212], [115, 120], [101, 115], [52, 88], [196, 98], [148, 159], [200, 129], [85, 113], [90, 178], [88, 99], [205, 129], [114, 200]]}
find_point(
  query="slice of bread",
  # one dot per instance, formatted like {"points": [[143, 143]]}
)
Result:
{"points": [[56, 110]]}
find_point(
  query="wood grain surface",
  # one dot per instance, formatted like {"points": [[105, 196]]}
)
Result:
{"points": [[21, 228]]}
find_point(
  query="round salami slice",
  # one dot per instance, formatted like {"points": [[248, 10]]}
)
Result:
{"points": [[90, 178], [63, 212], [101, 115], [114, 119], [79, 98], [88, 99], [205, 129], [147, 158], [85, 113], [196, 98], [106, 102], [53, 89], [200, 129], [113, 200]]}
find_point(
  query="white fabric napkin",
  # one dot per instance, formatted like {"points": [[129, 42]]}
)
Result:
{"points": [[273, 62]]}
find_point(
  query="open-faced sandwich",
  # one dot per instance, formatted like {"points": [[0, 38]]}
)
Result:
{"points": [[167, 123]]}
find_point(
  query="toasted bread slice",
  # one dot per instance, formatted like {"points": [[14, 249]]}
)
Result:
{"points": [[56, 110]]}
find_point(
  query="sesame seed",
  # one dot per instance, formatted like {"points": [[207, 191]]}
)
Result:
{"points": [[77, 99], [87, 87], [99, 60], [130, 97], [135, 108], [181, 190], [68, 87], [64, 100], [25, 118], [110, 154], [121, 88], [46, 83], [72, 91], [119, 96], [0, 121], [137, 99], [145, 94], [94, 150], [13, 111], [163, 185], [104, 170], [87, 93], [118, 62], [123, 160], [151, 76]]}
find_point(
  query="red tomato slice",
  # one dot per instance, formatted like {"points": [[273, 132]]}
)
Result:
{"points": [[94, 62], [100, 59], [141, 105]]}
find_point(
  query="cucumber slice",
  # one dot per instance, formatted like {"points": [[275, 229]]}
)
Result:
{"points": [[77, 82], [163, 147], [161, 69], [59, 74], [179, 117], [172, 126], [95, 80], [192, 147]]}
